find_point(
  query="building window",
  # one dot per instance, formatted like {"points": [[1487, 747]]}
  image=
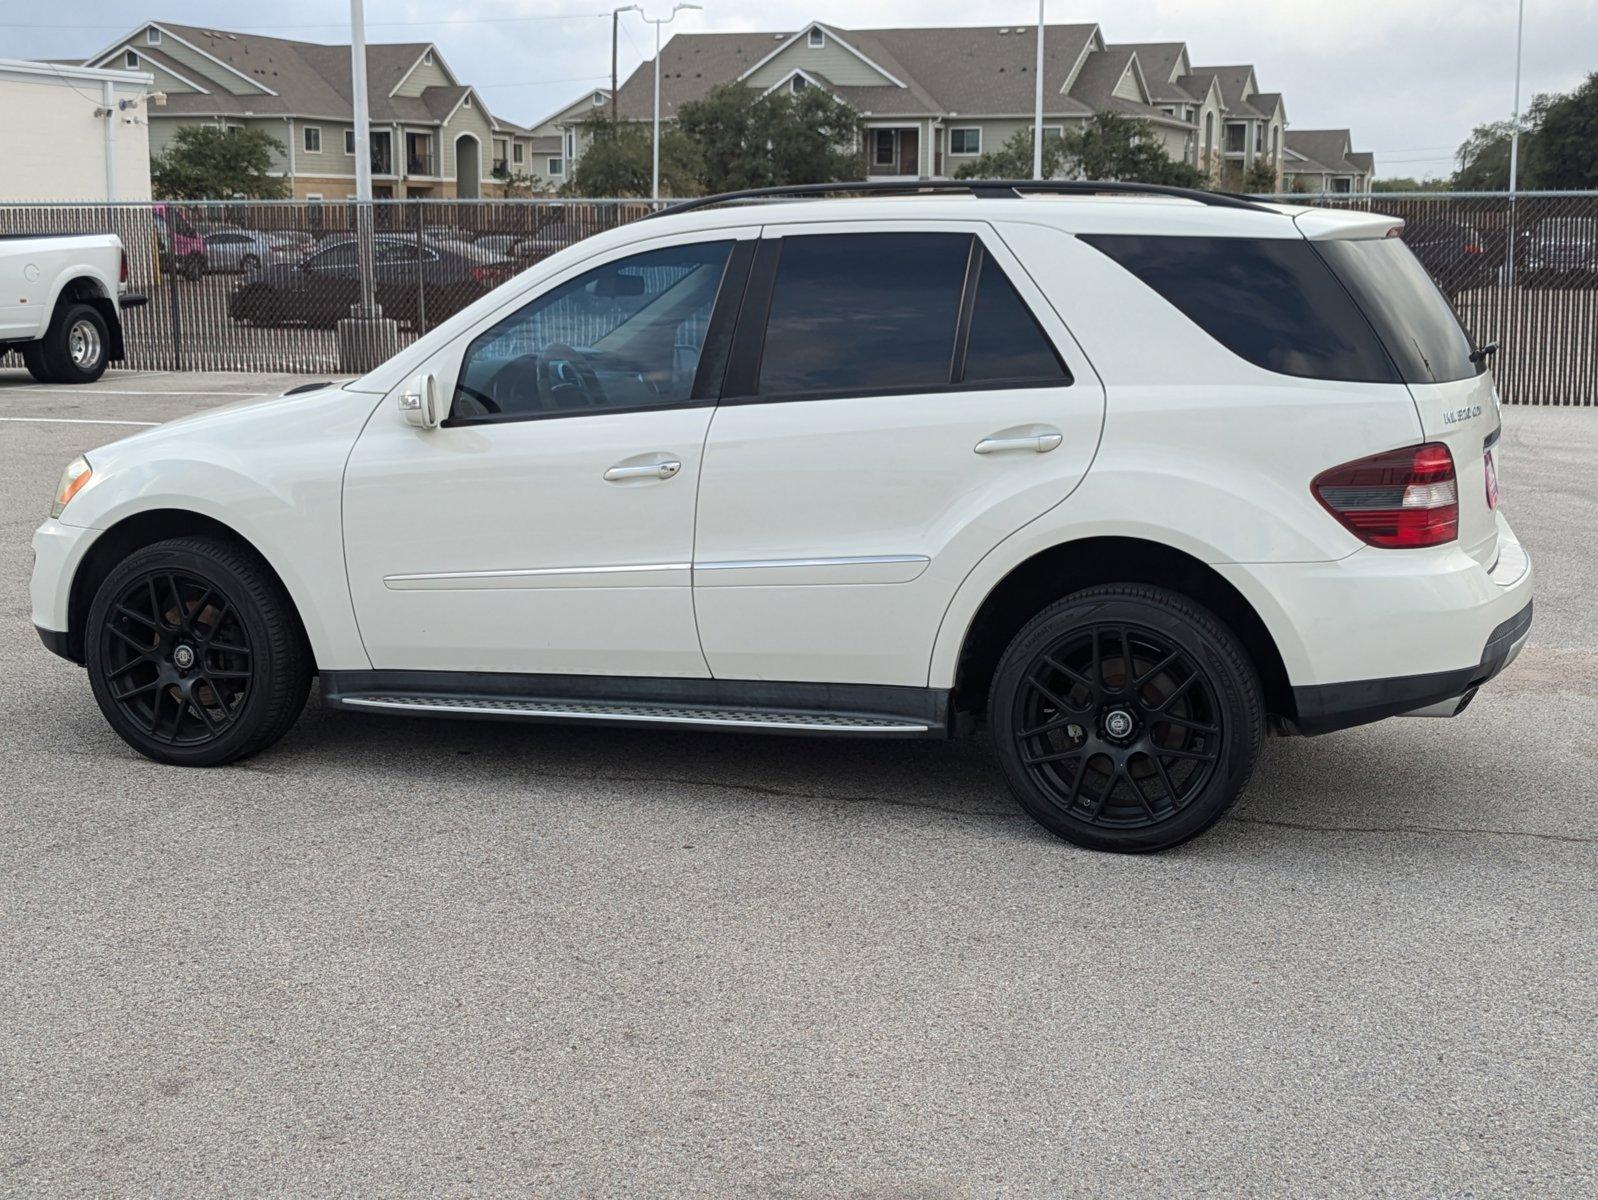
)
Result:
{"points": [[313, 139], [152, 37], [884, 147], [427, 59], [516, 153], [130, 60], [1235, 135], [1051, 132], [799, 84], [234, 130], [965, 141], [467, 100], [557, 166], [817, 37], [599, 98], [349, 142], [313, 195], [571, 144]]}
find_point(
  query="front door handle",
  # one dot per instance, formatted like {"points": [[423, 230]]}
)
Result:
{"points": [[659, 470], [1040, 441]]}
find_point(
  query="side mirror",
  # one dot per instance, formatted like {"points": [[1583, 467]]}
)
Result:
{"points": [[418, 402]]}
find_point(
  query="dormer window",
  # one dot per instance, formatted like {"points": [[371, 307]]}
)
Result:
{"points": [[152, 37], [427, 59], [817, 37], [130, 60]]}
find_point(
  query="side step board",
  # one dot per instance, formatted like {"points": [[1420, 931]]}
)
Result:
{"points": [[852, 710]]}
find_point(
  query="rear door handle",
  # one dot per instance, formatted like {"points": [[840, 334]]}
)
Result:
{"points": [[659, 470], [1040, 442]]}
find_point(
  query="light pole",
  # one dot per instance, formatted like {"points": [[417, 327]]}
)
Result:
{"points": [[363, 155], [1514, 146], [615, 23], [1037, 106], [657, 22]]}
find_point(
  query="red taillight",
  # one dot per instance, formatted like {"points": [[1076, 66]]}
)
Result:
{"points": [[1397, 499], [1491, 470], [493, 275], [1472, 248], [122, 275]]}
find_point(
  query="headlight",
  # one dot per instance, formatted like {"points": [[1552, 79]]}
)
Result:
{"points": [[73, 480]]}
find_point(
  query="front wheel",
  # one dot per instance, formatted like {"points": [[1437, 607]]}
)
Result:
{"points": [[195, 654], [1126, 718]]}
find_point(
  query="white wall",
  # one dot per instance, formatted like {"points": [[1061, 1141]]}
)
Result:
{"points": [[53, 146]]}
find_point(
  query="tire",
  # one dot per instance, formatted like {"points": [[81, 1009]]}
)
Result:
{"points": [[33, 359], [247, 671], [248, 263], [77, 346], [1128, 769], [193, 267]]}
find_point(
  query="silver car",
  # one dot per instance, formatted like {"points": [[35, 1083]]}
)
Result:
{"points": [[238, 250]]}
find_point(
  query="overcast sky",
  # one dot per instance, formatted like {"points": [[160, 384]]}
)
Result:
{"points": [[1410, 77]]}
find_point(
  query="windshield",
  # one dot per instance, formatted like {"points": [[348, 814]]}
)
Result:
{"points": [[1409, 314]]}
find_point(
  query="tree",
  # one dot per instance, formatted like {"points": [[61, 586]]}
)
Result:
{"points": [[617, 161], [1107, 146], [206, 163], [1260, 178], [1013, 160], [1567, 139], [519, 182], [1483, 158], [747, 140], [1112, 147], [1408, 183]]}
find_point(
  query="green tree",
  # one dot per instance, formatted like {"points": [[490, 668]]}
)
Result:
{"points": [[617, 160], [1260, 178], [749, 140], [1013, 160], [206, 163], [1483, 158], [1408, 183], [1567, 139], [1113, 147]]}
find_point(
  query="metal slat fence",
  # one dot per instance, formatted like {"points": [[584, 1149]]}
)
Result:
{"points": [[260, 285]]}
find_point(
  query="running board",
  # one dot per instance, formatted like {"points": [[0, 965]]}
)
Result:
{"points": [[755, 707]]}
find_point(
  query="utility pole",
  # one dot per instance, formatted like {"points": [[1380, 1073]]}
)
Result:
{"points": [[615, 27], [365, 339], [1037, 107], [657, 22]]}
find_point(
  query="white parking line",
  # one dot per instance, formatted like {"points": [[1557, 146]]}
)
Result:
{"points": [[7, 391], [75, 421]]}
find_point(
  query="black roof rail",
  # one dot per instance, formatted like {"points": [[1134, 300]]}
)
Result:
{"points": [[987, 188]]}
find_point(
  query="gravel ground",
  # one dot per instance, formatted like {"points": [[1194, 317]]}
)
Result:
{"points": [[394, 957]]}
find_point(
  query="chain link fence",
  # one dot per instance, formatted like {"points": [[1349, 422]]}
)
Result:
{"points": [[261, 285]]}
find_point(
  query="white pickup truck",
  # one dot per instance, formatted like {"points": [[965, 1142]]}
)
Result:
{"points": [[61, 302]]}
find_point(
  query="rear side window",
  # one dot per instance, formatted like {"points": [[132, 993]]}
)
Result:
{"points": [[1415, 323], [855, 313], [1272, 301], [1007, 344]]}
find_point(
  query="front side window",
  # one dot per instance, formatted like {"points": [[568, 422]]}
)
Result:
{"points": [[855, 313], [621, 337], [1271, 301]]}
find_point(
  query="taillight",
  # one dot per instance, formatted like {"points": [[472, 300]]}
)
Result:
{"points": [[1491, 470], [1472, 248], [494, 275], [122, 274], [1396, 499]]}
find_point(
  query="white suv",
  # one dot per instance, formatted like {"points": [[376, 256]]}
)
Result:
{"points": [[1127, 479]]}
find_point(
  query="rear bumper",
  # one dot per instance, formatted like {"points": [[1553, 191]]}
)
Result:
{"points": [[1327, 707]]}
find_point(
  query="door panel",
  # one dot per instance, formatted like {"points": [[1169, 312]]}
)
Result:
{"points": [[547, 527], [832, 532]]}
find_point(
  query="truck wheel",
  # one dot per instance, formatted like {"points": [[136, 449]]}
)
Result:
{"points": [[76, 345], [194, 653], [1126, 718], [33, 359]]}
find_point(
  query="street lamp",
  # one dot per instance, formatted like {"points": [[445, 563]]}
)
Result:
{"points": [[657, 22], [1037, 104], [1514, 147], [615, 23]]}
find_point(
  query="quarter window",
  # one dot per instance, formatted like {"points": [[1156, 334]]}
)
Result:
{"points": [[854, 313], [1272, 301], [621, 337], [1007, 344]]}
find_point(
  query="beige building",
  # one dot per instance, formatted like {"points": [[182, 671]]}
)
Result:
{"points": [[1324, 160], [431, 134], [932, 99], [72, 133]]}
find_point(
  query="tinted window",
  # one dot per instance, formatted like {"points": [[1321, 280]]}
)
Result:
{"points": [[625, 335], [342, 255], [1007, 345], [1415, 323], [1271, 301], [854, 313]]}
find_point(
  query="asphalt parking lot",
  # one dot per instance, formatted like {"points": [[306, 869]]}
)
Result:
{"points": [[392, 957]]}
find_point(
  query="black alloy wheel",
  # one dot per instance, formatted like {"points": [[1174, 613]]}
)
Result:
{"points": [[194, 652], [1126, 718]]}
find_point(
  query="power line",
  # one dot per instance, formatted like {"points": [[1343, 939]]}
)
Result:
{"points": [[346, 24]]}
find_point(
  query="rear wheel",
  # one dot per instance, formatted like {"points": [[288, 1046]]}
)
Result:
{"points": [[194, 653], [1126, 718], [76, 347]]}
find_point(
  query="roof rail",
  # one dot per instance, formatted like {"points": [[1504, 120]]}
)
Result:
{"points": [[986, 188]]}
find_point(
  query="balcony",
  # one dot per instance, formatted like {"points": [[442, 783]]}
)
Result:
{"points": [[421, 163]]}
